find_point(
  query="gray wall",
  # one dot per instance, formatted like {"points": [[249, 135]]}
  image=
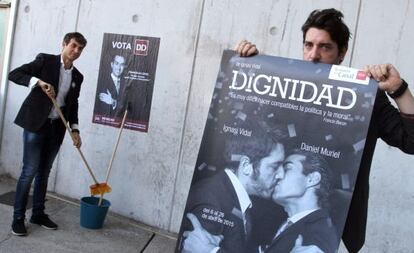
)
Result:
{"points": [[152, 171]]}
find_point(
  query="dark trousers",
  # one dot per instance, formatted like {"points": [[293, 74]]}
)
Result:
{"points": [[39, 152]]}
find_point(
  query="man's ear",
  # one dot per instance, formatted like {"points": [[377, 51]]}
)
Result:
{"points": [[313, 179], [342, 54], [245, 166]]}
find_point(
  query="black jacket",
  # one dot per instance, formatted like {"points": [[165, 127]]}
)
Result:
{"points": [[396, 130], [36, 107], [206, 198], [316, 229]]}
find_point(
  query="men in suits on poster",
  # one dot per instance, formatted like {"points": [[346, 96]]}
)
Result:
{"points": [[302, 189], [221, 202]]}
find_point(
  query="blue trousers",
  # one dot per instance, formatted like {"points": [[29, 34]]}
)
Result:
{"points": [[39, 152]]}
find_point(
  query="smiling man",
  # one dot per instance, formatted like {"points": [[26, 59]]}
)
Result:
{"points": [[47, 76], [112, 88]]}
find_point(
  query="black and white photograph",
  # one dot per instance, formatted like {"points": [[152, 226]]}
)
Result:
{"points": [[279, 156], [126, 80]]}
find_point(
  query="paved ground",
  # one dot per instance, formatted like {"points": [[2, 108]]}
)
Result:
{"points": [[118, 234]]}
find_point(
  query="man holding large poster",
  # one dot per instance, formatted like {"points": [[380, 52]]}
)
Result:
{"points": [[267, 91], [325, 38]]}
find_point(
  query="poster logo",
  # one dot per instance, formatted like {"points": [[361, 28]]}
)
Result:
{"points": [[121, 45], [141, 47], [346, 74], [361, 75]]}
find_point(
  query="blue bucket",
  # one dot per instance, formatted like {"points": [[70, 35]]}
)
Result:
{"points": [[93, 215]]}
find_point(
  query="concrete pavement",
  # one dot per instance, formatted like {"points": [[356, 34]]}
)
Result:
{"points": [[118, 234]]}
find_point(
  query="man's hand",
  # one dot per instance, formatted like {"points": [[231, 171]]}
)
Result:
{"points": [[299, 248], [199, 240], [386, 74], [77, 142], [106, 97], [47, 88], [246, 48]]}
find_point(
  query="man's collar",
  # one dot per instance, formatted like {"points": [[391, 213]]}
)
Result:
{"points": [[242, 195], [115, 77], [295, 218], [62, 64]]}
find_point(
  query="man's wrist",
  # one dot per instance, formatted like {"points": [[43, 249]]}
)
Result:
{"points": [[33, 82], [76, 131], [398, 92]]}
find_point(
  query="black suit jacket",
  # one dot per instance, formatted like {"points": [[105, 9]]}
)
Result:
{"points": [[396, 130], [105, 84], [210, 195], [139, 97], [36, 107], [315, 228]]}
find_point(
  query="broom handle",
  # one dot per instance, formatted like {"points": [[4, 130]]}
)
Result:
{"points": [[73, 138], [113, 153], [116, 146]]}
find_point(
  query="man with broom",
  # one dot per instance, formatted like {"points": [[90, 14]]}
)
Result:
{"points": [[48, 76]]}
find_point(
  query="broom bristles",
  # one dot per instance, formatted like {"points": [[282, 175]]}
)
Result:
{"points": [[99, 189]]}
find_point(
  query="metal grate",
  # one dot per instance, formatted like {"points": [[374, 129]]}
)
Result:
{"points": [[8, 199]]}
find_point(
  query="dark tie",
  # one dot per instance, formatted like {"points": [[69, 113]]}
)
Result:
{"points": [[248, 222], [118, 84]]}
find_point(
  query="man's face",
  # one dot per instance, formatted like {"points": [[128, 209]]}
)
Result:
{"points": [[319, 47], [291, 183], [118, 65], [72, 50], [264, 182]]}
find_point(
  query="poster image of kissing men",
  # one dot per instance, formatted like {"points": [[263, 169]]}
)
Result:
{"points": [[279, 156], [126, 80]]}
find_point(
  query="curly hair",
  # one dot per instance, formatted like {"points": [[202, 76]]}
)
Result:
{"points": [[256, 147], [330, 20]]}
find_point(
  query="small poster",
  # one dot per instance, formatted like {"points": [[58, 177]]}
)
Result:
{"points": [[126, 80], [279, 156]]}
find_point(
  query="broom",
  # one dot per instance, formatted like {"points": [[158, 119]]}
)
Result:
{"points": [[97, 188], [114, 152]]}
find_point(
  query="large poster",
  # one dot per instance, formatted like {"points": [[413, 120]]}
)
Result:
{"points": [[126, 80], [279, 156]]}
